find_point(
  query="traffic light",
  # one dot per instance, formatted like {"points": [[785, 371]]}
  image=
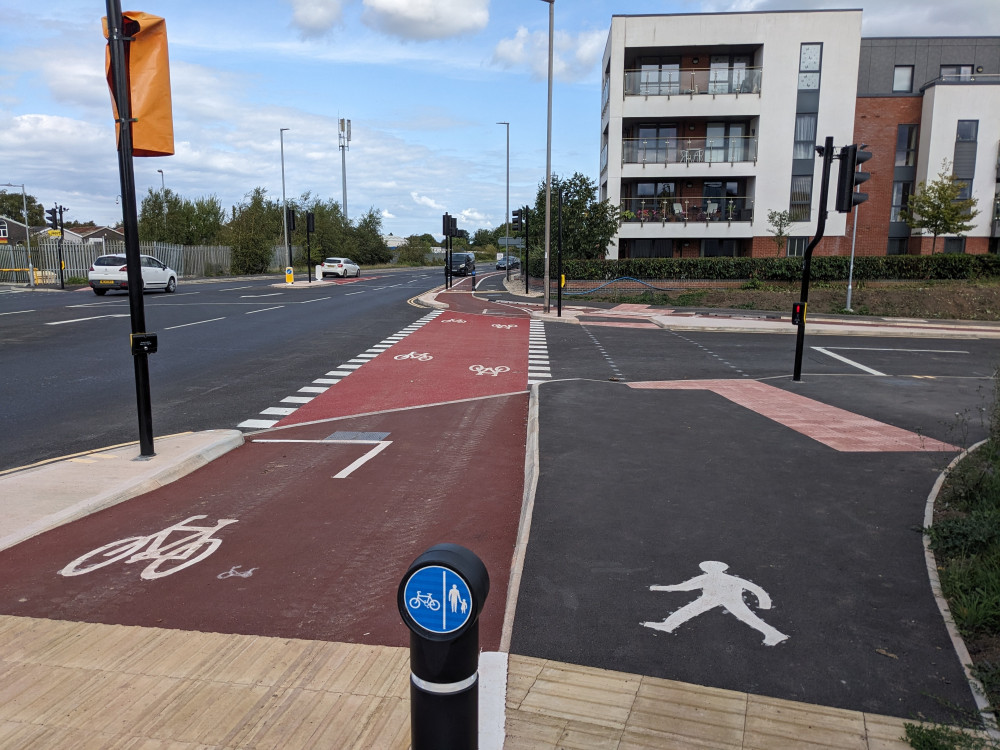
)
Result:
{"points": [[515, 223], [291, 219], [52, 217], [310, 221], [849, 178], [798, 313]]}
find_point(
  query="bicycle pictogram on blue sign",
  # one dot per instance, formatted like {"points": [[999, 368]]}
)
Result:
{"points": [[438, 599]]}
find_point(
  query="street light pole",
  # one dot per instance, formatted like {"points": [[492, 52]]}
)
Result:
{"points": [[163, 196], [548, 160], [345, 143], [284, 204], [506, 221], [27, 232], [163, 182]]}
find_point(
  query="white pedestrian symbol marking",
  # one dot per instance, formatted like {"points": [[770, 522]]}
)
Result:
{"points": [[494, 371], [719, 589]]}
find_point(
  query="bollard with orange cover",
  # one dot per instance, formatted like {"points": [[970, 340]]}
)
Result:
{"points": [[149, 83]]}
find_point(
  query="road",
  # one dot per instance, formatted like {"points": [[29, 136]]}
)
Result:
{"points": [[227, 350]]}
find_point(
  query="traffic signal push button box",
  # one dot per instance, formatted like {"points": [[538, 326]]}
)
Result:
{"points": [[143, 343]]}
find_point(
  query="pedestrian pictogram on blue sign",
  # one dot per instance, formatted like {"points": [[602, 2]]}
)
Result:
{"points": [[438, 599]]}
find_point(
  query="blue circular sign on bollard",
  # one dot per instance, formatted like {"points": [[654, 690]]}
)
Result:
{"points": [[437, 599]]}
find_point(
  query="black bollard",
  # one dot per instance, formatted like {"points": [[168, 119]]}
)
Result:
{"points": [[440, 599]]}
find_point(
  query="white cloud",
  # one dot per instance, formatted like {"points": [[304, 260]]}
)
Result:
{"points": [[316, 17], [574, 56], [423, 200], [472, 217], [427, 19], [387, 215]]}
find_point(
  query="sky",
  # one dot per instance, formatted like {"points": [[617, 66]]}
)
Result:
{"points": [[424, 83]]}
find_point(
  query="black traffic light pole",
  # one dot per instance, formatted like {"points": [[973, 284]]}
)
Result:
{"points": [[559, 262], [310, 228], [116, 46], [826, 151], [524, 263]]}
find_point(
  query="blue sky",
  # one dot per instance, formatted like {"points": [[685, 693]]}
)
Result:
{"points": [[424, 83]]}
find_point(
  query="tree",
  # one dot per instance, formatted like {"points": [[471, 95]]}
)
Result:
{"points": [[253, 231], [12, 206], [370, 247], [937, 208], [588, 224], [332, 235], [778, 222], [166, 216]]}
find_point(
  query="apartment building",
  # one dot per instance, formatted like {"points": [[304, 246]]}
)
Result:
{"points": [[709, 122]]}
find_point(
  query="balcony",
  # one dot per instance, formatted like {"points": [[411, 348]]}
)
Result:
{"points": [[693, 82], [706, 209], [672, 150]]}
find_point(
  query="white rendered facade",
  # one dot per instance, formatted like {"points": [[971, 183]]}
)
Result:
{"points": [[699, 125]]}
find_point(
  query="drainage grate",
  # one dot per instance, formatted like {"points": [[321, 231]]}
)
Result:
{"points": [[358, 436]]}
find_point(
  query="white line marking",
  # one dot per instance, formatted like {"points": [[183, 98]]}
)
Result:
{"points": [[17, 312], [258, 423], [364, 459], [280, 411], [185, 325], [235, 288], [850, 362], [252, 296], [313, 389], [326, 381], [264, 310], [349, 294], [297, 399], [80, 320], [340, 373], [318, 299], [872, 349]]}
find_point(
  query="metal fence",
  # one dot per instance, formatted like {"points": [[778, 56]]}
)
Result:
{"points": [[190, 261]]}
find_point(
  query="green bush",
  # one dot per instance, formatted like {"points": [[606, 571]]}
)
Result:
{"points": [[823, 268]]}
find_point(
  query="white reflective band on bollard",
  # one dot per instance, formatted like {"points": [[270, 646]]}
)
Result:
{"points": [[444, 688]]}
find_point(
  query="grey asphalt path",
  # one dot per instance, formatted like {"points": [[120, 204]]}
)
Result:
{"points": [[639, 488]]}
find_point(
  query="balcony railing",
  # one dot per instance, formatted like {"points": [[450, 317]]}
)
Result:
{"points": [[689, 150], [707, 208], [691, 81]]}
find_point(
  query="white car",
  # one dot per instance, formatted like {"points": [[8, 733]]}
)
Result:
{"points": [[109, 272], [340, 267]]}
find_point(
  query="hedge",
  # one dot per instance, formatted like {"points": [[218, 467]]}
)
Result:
{"points": [[824, 268]]}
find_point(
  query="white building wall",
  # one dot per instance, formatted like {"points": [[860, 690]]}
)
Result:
{"points": [[779, 36], [943, 106]]}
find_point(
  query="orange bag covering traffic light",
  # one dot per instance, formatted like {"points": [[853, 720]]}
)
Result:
{"points": [[149, 84]]}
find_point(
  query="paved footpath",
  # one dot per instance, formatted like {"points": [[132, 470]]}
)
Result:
{"points": [[284, 634]]}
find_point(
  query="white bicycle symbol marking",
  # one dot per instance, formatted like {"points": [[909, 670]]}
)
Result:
{"points": [[494, 371], [186, 551], [415, 355], [454, 320], [505, 326], [427, 600]]}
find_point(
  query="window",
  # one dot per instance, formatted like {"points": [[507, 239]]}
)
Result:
{"points": [[898, 246], [901, 192], [968, 130], [3, 229], [906, 145], [902, 79], [805, 136], [809, 61], [956, 72], [795, 247], [801, 198], [954, 245]]}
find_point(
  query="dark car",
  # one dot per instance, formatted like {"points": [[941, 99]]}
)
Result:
{"points": [[463, 264], [511, 261]]}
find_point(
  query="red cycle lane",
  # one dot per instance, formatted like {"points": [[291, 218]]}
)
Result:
{"points": [[455, 356], [325, 516]]}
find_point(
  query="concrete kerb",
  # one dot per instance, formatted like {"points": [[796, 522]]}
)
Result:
{"points": [[39, 498]]}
